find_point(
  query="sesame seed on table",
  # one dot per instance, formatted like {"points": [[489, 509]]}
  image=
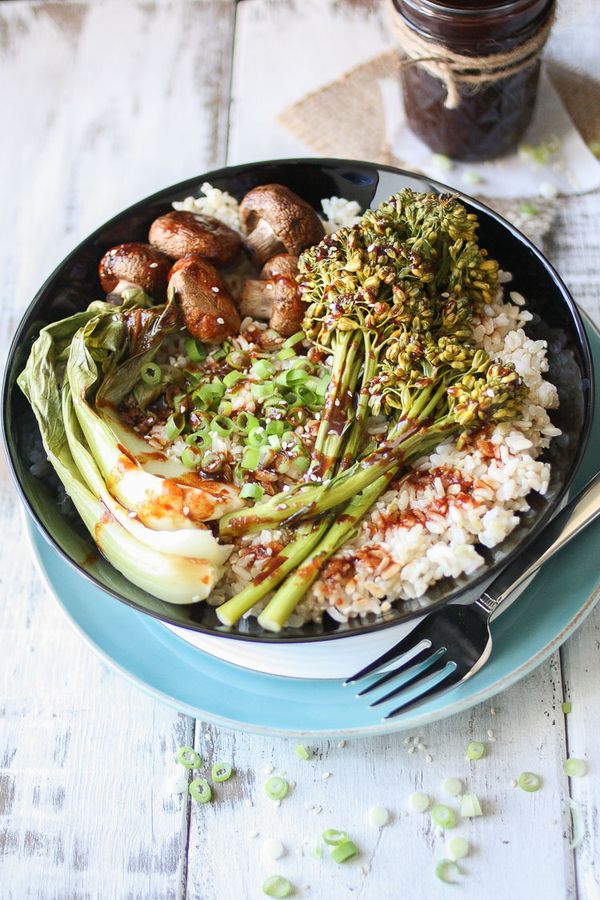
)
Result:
{"points": [[103, 103]]}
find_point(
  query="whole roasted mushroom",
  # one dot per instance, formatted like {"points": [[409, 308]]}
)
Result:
{"points": [[274, 220], [275, 295], [207, 308], [135, 265], [181, 233]]}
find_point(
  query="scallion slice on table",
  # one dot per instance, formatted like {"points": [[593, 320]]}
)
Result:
{"points": [[277, 886], [445, 869], [457, 848], [475, 750], [470, 806], [333, 837], [419, 802], [200, 790], [575, 768], [529, 781], [443, 816], [221, 771], [303, 752], [276, 787], [187, 756], [344, 852], [452, 786]]}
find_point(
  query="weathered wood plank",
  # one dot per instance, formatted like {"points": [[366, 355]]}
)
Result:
{"points": [[101, 103]]}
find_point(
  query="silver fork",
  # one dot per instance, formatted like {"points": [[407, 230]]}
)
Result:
{"points": [[458, 641]]}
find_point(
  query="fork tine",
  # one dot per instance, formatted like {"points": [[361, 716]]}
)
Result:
{"points": [[444, 684], [410, 642], [437, 663], [419, 657]]}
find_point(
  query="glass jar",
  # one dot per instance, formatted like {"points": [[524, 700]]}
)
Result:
{"points": [[490, 117]]}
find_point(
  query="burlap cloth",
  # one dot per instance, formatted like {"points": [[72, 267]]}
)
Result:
{"points": [[346, 118]]}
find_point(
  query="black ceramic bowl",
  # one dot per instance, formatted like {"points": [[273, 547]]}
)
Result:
{"points": [[74, 284]]}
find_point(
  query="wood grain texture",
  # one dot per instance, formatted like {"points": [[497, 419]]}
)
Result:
{"points": [[104, 102]]}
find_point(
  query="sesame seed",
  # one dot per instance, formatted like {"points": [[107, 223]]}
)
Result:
{"points": [[490, 733], [493, 711], [326, 775], [220, 321], [153, 265], [411, 749], [215, 290], [513, 782], [342, 744], [132, 514], [268, 769], [186, 510]]}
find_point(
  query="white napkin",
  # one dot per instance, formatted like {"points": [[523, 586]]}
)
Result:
{"points": [[571, 167]]}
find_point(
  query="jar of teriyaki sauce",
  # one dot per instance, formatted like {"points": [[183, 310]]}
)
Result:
{"points": [[473, 94]]}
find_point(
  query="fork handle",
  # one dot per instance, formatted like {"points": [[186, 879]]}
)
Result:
{"points": [[575, 516]]}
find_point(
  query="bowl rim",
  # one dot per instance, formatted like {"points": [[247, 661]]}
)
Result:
{"points": [[321, 162]]}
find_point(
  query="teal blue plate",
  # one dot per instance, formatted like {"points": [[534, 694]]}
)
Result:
{"points": [[166, 667]]}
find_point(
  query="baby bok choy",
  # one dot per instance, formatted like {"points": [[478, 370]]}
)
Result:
{"points": [[175, 558]]}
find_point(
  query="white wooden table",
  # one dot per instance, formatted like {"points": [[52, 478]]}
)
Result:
{"points": [[102, 103]]}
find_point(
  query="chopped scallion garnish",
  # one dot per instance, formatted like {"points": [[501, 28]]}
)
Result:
{"points": [[200, 790], [195, 351], [457, 848], [294, 339], [452, 786], [334, 837], [470, 806], [418, 801], [222, 425], [344, 852], [187, 756], [303, 752], [277, 886], [285, 353], [276, 787], [443, 816], [174, 426], [475, 750], [445, 869], [529, 781], [575, 768], [150, 373], [220, 772], [252, 491], [567, 707], [232, 378]]}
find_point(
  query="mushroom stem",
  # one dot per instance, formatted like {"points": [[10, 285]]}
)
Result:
{"points": [[262, 242], [257, 299]]}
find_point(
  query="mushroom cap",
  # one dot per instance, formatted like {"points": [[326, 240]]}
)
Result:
{"points": [[280, 264], [138, 264], [180, 233], [292, 219], [207, 308]]}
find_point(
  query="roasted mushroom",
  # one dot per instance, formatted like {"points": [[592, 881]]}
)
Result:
{"points": [[275, 295], [135, 265], [207, 308], [179, 234], [274, 220]]}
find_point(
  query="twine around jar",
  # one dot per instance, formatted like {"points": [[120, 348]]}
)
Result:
{"points": [[454, 68]]}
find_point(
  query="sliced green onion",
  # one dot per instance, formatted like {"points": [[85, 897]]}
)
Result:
{"points": [[274, 441], [294, 339], [252, 491], [529, 209], [276, 787], [277, 886], [300, 464], [205, 396], [475, 750], [262, 369], [195, 351], [577, 825], [443, 816], [275, 426], [218, 387], [220, 771], [379, 816], [187, 756], [263, 390], [245, 422], [150, 373], [452, 786], [575, 768], [225, 407], [470, 806], [285, 353], [445, 869], [190, 458], [296, 416], [174, 426], [418, 801], [441, 161], [529, 781], [211, 462], [200, 790], [257, 437], [457, 848], [232, 378], [295, 376], [333, 837], [201, 439], [344, 852], [236, 359], [222, 425], [567, 707], [303, 752]]}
